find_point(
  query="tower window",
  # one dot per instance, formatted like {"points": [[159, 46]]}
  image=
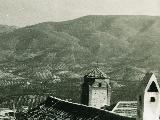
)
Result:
{"points": [[153, 87], [152, 99], [140, 99], [100, 85]]}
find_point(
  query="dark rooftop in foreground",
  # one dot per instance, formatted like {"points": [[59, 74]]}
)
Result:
{"points": [[54, 108]]}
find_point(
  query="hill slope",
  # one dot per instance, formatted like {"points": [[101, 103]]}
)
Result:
{"points": [[6, 28], [125, 46], [107, 36]]}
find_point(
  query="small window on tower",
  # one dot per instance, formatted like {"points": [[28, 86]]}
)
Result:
{"points": [[100, 85], [152, 99], [153, 87], [140, 99]]}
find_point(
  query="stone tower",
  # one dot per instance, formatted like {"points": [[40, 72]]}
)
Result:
{"points": [[148, 99], [96, 90]]}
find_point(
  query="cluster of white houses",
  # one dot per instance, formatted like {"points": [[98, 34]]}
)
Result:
{"points": [[96, 93]]}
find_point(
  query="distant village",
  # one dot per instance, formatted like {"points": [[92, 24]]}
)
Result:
{"points": [[96, 103]]}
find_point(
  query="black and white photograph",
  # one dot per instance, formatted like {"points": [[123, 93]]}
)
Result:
{"points": [[79, 59]]}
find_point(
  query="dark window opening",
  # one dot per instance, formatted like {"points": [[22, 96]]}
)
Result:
{"points": [[140, 99], [100, 85], [11, 113], [152, 99], [153, 87]]}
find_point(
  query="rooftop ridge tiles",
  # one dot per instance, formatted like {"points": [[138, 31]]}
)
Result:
{"points": [[57, 107], [84, 105]]}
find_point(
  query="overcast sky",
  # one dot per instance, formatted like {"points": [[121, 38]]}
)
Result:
{"points": [[27, 12]]}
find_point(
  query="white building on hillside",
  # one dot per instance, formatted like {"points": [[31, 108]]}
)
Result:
{"points": [[7, 114], [149, 99]]}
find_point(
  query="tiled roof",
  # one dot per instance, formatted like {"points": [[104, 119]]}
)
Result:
{"points": [[146, 78], [126, 108], [96, 73], [54, 108], [144, 81]]}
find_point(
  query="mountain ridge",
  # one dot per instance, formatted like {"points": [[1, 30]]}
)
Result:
{"points": [[124, 46], [6, 28]]}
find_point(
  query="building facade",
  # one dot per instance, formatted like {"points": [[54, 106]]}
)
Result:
{"points": [[149, 99], [96, 89]]}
